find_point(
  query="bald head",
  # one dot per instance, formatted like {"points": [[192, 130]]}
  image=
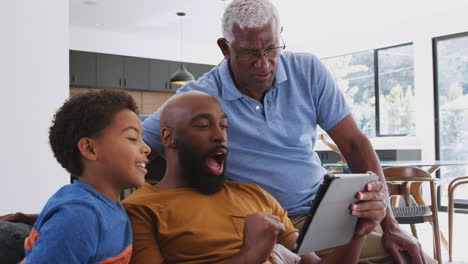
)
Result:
{"points": [[180, 109]]}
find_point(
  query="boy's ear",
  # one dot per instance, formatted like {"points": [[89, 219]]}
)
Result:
{"points": [[168, 137], [87, 148]]}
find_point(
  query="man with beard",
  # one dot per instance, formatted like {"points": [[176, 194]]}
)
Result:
{"points": [[194, 215], [276, 100]]}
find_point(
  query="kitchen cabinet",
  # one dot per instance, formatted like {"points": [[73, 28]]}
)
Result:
{"points": [[110, 70], [159, 76], [83, 69], [136, 73], [116, 71], [88, 69]]}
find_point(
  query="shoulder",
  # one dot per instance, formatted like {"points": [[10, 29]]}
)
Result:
{"points": [[62, 225], [59, 223], [75, 191], [209, 83], [141, 196], [72, 203], [70, 210], [299, 59], [302, 65], [145, 202]]}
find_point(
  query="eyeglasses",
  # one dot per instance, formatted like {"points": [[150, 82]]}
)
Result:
{"points": [[254, 55]]}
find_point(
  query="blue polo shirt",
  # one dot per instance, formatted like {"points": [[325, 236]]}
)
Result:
{"points": [[272, 145]]}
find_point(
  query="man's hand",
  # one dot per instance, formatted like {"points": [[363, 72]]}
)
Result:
{"points": [[370, 209], [261, 233], [20, 218], [395, 240]]}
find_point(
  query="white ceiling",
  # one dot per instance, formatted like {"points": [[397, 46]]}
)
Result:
{"points": [[309, 25], [150, 17]]}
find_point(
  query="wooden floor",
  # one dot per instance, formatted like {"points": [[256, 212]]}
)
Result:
{"points": [[460, 244]]}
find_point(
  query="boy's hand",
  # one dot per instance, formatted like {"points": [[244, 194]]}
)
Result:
{"points": [[370, 209], [261, 233]]}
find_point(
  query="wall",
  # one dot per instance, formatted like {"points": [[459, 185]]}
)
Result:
{"points": [[326, 28], [146, 46], [346, 27], [147, 102], [34, 78]]}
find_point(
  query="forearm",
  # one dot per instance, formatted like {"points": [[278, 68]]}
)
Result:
{"points": [[361, 157], [243, 258], [348, 253]]}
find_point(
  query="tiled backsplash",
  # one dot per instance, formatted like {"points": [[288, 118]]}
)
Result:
{"points": [[147, 102]]}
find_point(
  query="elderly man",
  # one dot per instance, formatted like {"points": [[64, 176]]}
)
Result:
{"points": [[275, 100], [194, 216]]}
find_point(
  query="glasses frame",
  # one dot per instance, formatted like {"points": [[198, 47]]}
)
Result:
{"points": [[255, 55]]}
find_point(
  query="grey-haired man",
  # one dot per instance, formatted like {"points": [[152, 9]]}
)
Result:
{"points": [[275, 100]]}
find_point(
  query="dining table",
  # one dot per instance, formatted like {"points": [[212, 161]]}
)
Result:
{"points": [[431, 166]]}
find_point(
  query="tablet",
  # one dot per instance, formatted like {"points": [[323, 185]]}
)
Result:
{"points": [[329, 223]]}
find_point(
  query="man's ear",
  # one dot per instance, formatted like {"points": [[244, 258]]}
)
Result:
{"points": [[87, 148], [222, 44], [168, 137]]}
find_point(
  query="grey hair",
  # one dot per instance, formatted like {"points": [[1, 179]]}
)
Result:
{"points": [[248, 13]]}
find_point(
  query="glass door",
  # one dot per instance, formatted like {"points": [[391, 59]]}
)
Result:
{"points": [[451, 110]]}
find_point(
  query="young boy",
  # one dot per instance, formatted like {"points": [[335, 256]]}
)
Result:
{"points": [[98, 137]]}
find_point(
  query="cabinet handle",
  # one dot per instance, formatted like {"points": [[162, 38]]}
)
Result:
{"points": [[125, 82], [120, 82]]}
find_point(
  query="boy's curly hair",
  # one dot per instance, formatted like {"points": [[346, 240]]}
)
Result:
{"points": [[84, 115]]}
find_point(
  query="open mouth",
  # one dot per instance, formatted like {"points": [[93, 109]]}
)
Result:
{"points": [[215, 161]]}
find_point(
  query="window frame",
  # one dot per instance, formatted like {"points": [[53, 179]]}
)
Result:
{"points": [[376, 85], [435, 71]]}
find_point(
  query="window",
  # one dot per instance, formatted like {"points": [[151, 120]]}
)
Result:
{"points": [[396, 91], [451, 109], [379, 87], [354, 74]]}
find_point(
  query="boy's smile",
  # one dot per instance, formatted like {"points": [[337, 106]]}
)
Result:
{"points": [[121, 151]]}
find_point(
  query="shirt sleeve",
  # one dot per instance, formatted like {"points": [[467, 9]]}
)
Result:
{"points": [[145, 246], [66, 235], [331, 105]]}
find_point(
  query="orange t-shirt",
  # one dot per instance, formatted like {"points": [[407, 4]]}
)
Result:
{"points": [[185, 226]]}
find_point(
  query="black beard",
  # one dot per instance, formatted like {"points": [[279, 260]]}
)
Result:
{"points": [[195, 171]]}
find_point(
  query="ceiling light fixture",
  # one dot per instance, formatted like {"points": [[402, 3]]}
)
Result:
{"points": [[181, 76]]}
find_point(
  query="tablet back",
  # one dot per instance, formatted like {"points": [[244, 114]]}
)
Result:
{"points": [[330, 223]]}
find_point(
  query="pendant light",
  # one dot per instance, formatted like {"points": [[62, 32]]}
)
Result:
{"points": [[181, 76]]}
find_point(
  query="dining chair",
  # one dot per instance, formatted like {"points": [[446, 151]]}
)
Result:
{"points": [[406, 182], [335, 149], [451, 190]]}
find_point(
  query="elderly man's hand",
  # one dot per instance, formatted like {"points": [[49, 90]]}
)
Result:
{"points": [[396, 240], [370, 208]]}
